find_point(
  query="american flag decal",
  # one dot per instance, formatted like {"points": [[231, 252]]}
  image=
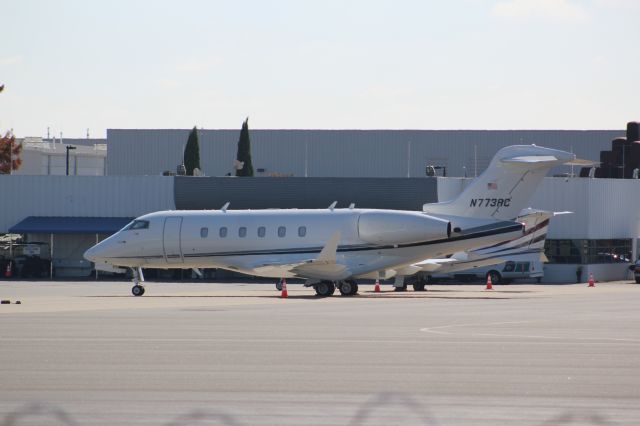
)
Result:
{"points": [[492, 185]]}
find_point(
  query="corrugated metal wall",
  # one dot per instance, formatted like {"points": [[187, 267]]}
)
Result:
{"points": [[111, 196], [340, 153], [246, 193], [602, 208]]}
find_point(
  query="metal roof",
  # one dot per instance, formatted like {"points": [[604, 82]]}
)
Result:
{"points": [[69, 225]]}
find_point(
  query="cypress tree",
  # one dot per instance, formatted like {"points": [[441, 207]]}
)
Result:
{"points": [[192, 152], [244, 151]]}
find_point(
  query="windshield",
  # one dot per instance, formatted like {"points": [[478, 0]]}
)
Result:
{"points": [[137, 224]]}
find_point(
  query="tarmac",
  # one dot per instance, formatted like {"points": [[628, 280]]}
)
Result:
{"points": [[89, 353]]}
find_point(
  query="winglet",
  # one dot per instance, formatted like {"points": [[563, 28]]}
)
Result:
{"points": [[328, 253], [226, 206], [333, 205]]}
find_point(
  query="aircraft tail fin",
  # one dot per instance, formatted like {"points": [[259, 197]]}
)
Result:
{"points": [[506, 186]]}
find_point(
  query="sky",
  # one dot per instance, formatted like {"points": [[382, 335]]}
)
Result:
{"points": [[328, 64]]}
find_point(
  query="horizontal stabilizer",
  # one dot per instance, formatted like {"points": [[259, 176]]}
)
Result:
{"points": [[531, 159], [583, 163]]}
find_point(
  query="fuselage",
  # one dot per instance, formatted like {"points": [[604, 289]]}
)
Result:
{"points": [[274, 243]]}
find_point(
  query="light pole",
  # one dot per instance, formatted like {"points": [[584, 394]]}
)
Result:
{"points": [[69, 147]]}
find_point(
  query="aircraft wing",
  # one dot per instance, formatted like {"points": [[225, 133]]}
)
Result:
{"points": [[324, 266], [306, 269]]}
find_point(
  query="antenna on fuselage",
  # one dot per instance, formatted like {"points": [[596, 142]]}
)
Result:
{"points": [[226, 206], [333, 205]]}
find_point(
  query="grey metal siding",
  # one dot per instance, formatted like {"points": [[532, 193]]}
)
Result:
{"points": [[340, 153], [193, 193], [102, 196]]}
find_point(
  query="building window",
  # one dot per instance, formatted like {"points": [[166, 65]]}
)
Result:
{"points": [[223, 232], [242, 232], [262, 231], [302, 231], [588, 251], [282, 231], [204, 232]]}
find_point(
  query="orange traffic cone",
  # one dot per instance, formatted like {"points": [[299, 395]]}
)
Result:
{"points": [[285, 293], [592, 282], [8, 272], [489, 284], [377, 287]]}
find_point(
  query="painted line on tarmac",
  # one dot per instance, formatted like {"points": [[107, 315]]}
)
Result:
{"points": [[439, 330]]}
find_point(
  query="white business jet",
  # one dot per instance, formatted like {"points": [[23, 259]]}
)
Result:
{"points": [[331, 248]]}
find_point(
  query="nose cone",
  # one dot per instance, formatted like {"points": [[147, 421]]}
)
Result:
{"points": [[90, 254]]}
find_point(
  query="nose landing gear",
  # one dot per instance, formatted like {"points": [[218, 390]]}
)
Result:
{"points": [[137, 289]]}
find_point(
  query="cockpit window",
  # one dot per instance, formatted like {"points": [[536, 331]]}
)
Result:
{"points": [[138, 224]]}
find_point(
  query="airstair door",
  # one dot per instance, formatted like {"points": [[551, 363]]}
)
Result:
{"points": [[171, 240]]}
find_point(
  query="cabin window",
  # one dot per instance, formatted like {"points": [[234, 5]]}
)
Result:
{"points": [[262, 231], [242, 232], [282, 231], [204, 232], [223, 232], [302, 231]]}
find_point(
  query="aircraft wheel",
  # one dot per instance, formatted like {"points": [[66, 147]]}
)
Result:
{"points": [[419, 286], [279, 285], [496, 278], [137, 290], [348, 288], [325, 288], [403, 288]]}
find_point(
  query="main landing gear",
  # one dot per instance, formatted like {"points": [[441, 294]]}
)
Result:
{"points": [[327, 288], [137, 289], [418, 284]]}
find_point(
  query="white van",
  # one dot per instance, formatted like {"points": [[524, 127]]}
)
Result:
{"points": [[502, 273]]}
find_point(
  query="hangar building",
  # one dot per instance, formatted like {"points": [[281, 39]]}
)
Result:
{"points": [[339, 153], [377, 169]]}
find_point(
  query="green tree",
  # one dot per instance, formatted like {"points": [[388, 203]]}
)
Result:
{"points": [[243, 159], [192, 152]]}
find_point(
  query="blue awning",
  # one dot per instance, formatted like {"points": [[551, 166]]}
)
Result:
{"points": [[69, 225]]}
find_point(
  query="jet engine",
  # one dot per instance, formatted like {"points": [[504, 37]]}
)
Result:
{"points": [[390, 227]]}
